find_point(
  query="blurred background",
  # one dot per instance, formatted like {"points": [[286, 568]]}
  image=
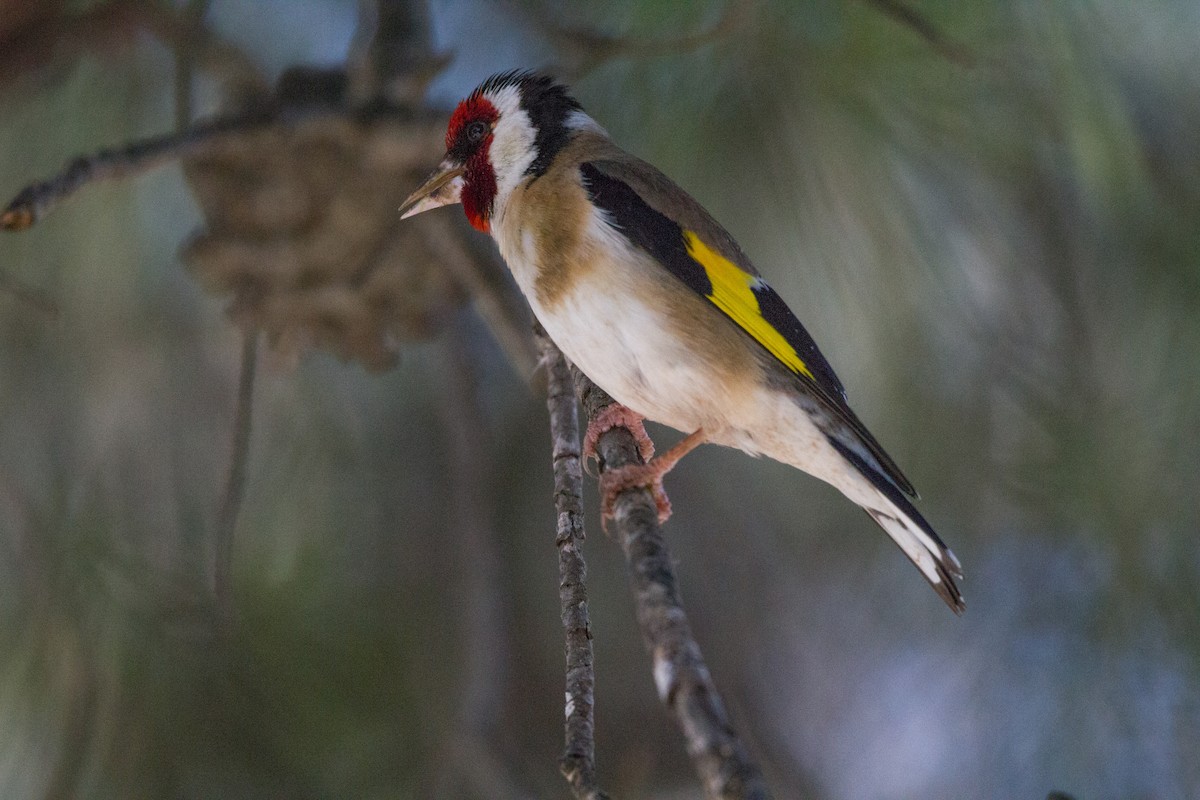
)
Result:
{"points": [[985, 213]]}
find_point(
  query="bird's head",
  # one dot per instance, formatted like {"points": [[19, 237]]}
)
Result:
{"points": [[507, 130]]}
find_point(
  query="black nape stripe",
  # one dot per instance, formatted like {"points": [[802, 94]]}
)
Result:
{"points": [[548, 106], [650, 230]]}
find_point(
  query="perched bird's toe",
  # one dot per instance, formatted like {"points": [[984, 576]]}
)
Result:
{"points": [[615, 481], [617, 416]]}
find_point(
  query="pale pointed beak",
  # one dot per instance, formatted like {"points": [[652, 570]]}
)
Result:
{"points": [[442, 188]]}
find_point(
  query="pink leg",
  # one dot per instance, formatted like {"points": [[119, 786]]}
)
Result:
{"points": [[617, 416], [615, 481]]}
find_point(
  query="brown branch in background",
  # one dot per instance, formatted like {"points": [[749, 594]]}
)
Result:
{"points": [[34, 202], [472, 765], [31, 297], [192, 17], [589, 47], [921, 25], [54, 37], [392, 54], [235, 484], [239, 75], [684, 684], [578, 763]]}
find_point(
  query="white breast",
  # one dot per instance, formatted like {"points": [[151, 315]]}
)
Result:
{"points": [[608, 325], [622, 345]]}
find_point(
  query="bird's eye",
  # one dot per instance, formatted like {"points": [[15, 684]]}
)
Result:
{"points": [[476, 131]]}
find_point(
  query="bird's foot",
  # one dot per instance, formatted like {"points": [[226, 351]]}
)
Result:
{"points": [[649, 475], [630, 476], [616, 416]]}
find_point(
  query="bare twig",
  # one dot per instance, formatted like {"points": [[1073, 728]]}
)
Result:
{"points": [[479, 582], [192, 16], [32, 297], [34, 202], [237, 73], [103, 25], [392, 56], [684, 684], [578, 763], [235, 484], [590, 48], [921, 25]]}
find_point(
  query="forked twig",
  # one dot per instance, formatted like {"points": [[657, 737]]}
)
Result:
{"points": [[683, 681]]}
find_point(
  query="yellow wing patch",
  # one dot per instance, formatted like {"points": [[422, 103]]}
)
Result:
{"points": [[733, 293]]}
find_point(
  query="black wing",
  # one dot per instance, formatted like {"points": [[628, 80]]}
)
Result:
{"points": [[704, 256]]}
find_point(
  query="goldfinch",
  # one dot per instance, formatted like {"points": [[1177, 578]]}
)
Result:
{"points": [[655, 302]]}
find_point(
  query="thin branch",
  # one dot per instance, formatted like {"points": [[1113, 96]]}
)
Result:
{"points": [[591, 47], [392, 54], [32, 297], [922, 26], [235, 484], [192, 17], [239, 75], [105, 26], [35, 201], [684, 684], [471, 759], [578, 762]]}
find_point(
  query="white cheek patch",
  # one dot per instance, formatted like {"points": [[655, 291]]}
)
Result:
{"points": [[512, 149]]}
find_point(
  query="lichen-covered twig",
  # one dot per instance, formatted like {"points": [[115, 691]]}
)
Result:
{"points": [[684, 684], [579, 755]]}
